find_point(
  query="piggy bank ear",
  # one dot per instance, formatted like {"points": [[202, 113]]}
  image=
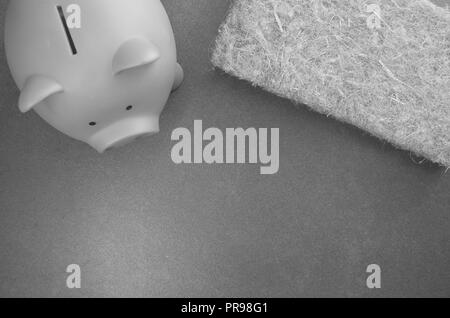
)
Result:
{"points": [[134, 53], [36, 89]]}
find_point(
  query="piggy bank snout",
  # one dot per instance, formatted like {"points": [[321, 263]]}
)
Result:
{"points": [[123, 132]]}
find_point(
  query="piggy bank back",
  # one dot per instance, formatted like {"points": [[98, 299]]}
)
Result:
{"points": [[100, 71]]}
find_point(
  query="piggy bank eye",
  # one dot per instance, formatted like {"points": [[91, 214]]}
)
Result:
{"points": [[92, 124], [129, 108]]}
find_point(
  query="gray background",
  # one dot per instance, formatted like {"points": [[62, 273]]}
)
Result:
{"points": [[140, 225]]}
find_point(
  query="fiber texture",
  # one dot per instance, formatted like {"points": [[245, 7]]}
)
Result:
{"points": [[381, 65]]}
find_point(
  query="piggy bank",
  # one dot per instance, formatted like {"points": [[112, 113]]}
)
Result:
{"points": [[100, 71]]}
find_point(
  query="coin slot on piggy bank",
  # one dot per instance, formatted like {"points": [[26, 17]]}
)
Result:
{"points": [[66, 29]]}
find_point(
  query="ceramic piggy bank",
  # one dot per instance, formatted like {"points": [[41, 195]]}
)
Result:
{"points": [[100, 71]]}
